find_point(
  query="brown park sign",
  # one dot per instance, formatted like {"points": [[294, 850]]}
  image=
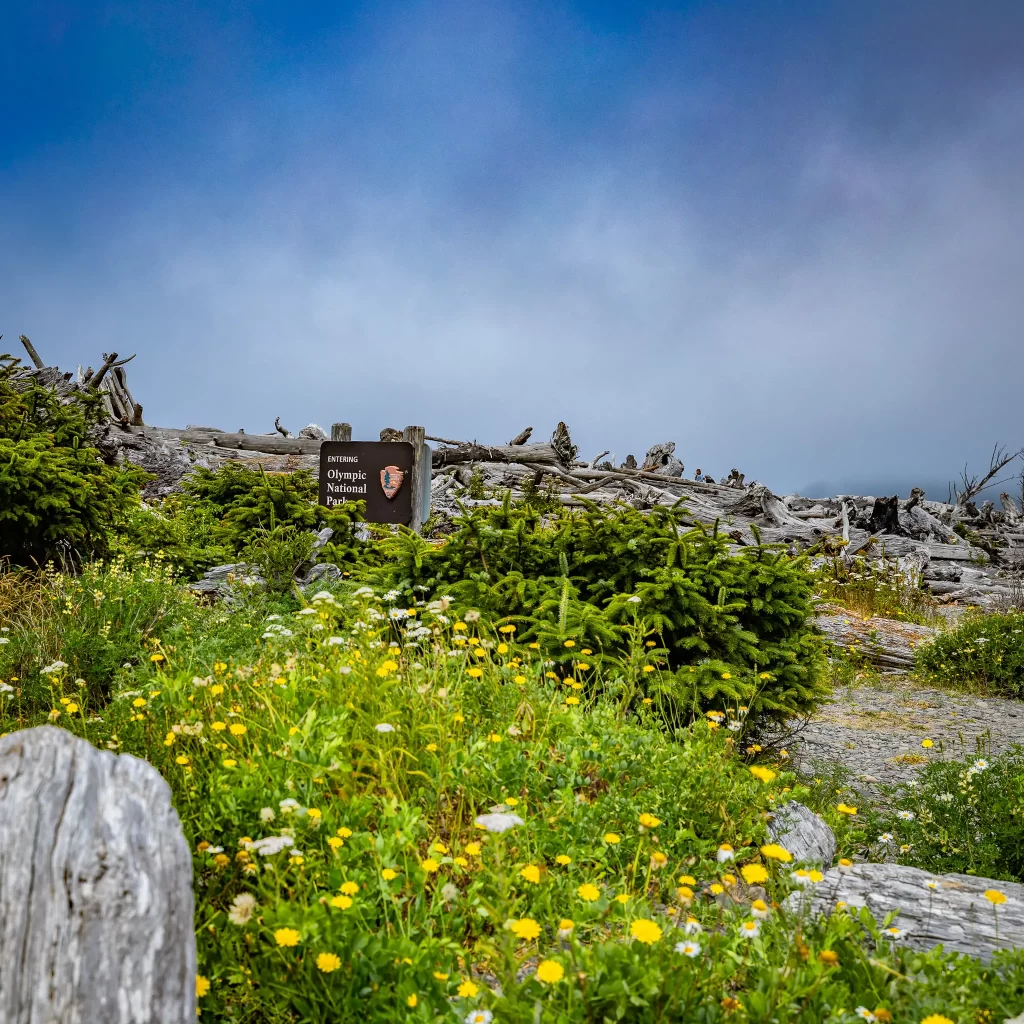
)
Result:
{"points": [[377, 472]]}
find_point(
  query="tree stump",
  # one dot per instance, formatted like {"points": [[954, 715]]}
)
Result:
{"points": [[96, 909]]}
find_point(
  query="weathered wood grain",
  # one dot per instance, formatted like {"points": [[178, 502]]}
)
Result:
{"points": [[96, 899], [955, 913]]}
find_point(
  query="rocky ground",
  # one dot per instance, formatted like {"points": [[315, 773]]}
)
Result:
{"points": [[876, 731]]}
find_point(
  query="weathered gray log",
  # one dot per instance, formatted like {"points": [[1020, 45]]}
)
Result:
{"points": [[885, 643], [32, 353], [543, 454], [661, 459], [803, 833], [271, 444], [955, 913], [95, 888]]}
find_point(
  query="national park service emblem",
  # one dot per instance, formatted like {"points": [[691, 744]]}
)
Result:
{"points": [[391, 478]]}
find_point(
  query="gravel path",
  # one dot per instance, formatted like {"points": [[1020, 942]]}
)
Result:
{"points": [[876, 732]]}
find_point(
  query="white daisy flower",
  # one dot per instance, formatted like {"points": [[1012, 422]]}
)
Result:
{"points": [[690, 949]]}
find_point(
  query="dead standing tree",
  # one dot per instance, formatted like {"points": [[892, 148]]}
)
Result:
{"points": [[970, 487]]}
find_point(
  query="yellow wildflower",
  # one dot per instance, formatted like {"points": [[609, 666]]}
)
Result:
{"points": [[645, 931], [287, 937], [550, 972], [328, 962]]}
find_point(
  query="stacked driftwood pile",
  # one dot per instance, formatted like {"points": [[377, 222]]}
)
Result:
{"points": [[963, 552]]}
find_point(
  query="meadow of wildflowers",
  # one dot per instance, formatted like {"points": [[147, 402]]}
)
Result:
{"points": [[401, 811]]}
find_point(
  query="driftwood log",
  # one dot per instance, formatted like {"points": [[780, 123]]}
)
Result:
{"points": [[95, 888], [541, 454], [954, 912]]}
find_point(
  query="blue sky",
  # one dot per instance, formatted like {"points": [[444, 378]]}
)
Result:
{"points": [[786, 236]]}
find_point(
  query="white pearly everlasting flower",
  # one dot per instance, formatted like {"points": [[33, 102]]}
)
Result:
{"points": [[498, 822], [272, 844]]}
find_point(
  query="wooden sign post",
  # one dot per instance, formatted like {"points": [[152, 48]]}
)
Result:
{"points": [[392, 477]]}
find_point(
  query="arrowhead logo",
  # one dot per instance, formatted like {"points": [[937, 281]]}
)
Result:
{"points": [[391, 478]]}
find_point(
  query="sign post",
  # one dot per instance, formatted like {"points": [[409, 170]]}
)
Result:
{"points": [[392, 477]]}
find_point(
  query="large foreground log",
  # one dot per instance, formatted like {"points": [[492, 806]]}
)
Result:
{"points": [[951, 910], [95, 888]]}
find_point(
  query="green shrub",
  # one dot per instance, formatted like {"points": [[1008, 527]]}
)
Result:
{"points": [[58, 499], [720, 628], [235, 512], [984, 652], [965, 816]]}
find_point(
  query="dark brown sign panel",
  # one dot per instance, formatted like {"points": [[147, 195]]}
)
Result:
{"points": [[377, 472]]}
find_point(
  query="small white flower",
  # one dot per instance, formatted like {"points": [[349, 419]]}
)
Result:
{"points": [[398, 613], [242, 908], [272, 844], [57, 666], [335, 641], [479, 1017], [306, 611], [886, 837], [633, 600], [980, 765], [725, 853], [750, 929], [471, 616], [905, 815], [4, 640], [212, 850], [692, 927], [6, 688], [288, 805], [273, 618], [323, 595], [449, 892], [364, 592], [893, 933], [498, 821], [344, 669], [266, 814], [733, 726], [690, 949], [865, 1013], [384, 727], [932, 884]]}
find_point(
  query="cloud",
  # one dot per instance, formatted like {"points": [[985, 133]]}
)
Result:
{"points": [[389, 244]]}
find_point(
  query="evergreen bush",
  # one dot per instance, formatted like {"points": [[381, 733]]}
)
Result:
{"points": [[733, 629], [58, 498]]}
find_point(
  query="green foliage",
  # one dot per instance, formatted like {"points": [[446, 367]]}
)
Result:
{"points": [[964, 816], [398, 907], [240, 513], [875, 587], [58, 499], [731, 628], [983, 652]]}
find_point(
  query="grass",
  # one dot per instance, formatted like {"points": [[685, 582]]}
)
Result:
{"points": [[331, 764]]}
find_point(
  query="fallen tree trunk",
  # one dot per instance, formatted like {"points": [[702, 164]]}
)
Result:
{"points": [[95, 887], [271, 444], [542, 454]]}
